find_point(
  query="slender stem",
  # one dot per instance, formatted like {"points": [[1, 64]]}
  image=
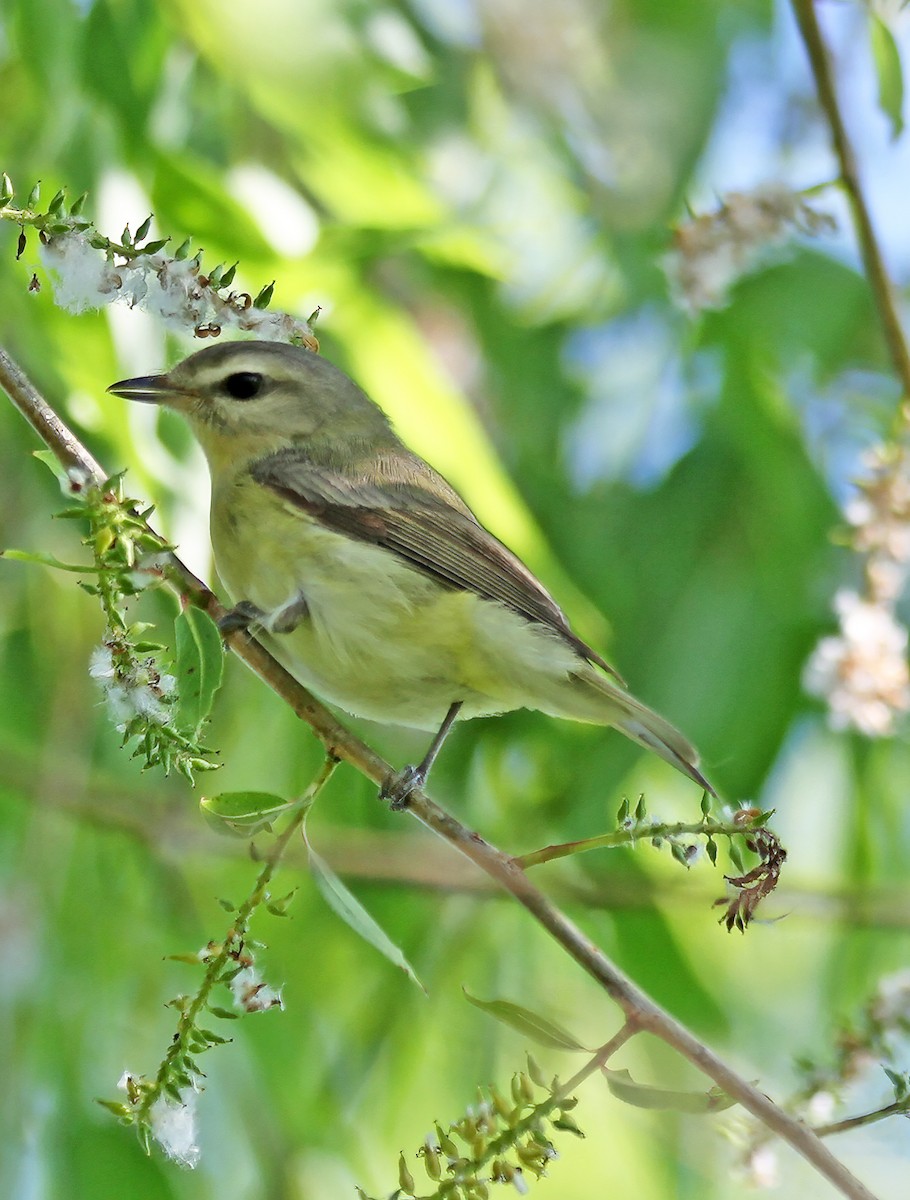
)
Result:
{"points": [[880, 281], [630, 835], [600, 1059], [640, 1010], [233, 938], [897, 1108]]}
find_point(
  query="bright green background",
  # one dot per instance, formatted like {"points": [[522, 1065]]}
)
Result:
{"points": [[490, 191]]}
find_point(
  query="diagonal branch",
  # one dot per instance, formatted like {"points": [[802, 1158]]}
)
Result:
{"points": [[873, 260], [641, 1011]]}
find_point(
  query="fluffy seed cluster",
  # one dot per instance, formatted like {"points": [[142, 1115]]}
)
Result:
{"points": [[176, 290], [710, 252], [172, 1119], [252, 994], [132, 687], [861, 671]]}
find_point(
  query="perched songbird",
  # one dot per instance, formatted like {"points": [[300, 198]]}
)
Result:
{"points": [[365, 571]]}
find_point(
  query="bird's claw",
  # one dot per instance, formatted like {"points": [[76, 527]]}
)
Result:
{"points": [[397, 788], [241, 616]]}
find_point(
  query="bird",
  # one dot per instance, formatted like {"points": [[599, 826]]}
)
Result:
{"points": [[363, 569]]}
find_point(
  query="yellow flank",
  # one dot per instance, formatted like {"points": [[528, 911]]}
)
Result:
{"points": [[380, 639]]}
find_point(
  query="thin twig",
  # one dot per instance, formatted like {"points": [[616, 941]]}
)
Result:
{"points": [[873, 260], [631, 835], [222, 956], [896, 1109], [640, 1010], [601, 1058]]}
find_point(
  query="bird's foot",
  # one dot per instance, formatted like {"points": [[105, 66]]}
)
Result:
{"points": [[397, 788], [241, 616], [286, 619]]}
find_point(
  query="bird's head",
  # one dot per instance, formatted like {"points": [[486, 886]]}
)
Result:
{"points": [[246, 399]]}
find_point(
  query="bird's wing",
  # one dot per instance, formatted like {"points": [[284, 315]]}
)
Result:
{"points": [[407, 516]]}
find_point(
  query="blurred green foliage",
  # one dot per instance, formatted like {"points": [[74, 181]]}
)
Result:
{"points": [[479, 196]]}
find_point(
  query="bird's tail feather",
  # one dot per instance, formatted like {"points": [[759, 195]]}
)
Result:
{"points": [[613, 706], [644, 726]]}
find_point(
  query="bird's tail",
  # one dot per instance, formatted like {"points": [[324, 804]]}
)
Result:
{"points": [[650, 730], [597, 699]]}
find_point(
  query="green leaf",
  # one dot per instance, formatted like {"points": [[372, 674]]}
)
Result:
{"points": [[679, 853], [531, 1024], [889, 72], [644, 1095], [46, 560], [279, 908], [117, 1108], [346, 905], [213, 1039], [224, 1014], [243, 813], [762, 819], [200, 666], [736, 857], [263, 299]]}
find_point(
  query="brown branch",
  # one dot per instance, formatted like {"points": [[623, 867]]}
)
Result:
{"points": [[873, 260], [641, 1011]]}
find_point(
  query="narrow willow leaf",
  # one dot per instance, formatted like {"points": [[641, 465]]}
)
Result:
{"points": [[47, 560], [200, 666], [889, 73], [531, 1024], [52, 462], [243, 813], [346, 905], [644, 1095]]}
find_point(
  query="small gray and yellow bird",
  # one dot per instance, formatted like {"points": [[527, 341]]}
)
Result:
{"points": [[365, 571]]}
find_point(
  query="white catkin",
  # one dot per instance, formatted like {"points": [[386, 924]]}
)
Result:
{"points": [[170, 289]]}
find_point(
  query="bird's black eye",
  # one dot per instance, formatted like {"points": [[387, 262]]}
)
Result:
{"points": [[243, 385]]}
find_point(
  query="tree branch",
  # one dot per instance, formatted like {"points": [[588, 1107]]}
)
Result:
{"points": [[641, 1011], [873, 260]]}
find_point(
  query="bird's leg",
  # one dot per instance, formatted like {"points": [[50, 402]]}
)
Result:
{"points": [[287, 618], [241, 616], [283, 620], [397, 788]]}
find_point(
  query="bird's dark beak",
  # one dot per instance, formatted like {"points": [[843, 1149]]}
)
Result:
{"points": [[150, 389]]}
